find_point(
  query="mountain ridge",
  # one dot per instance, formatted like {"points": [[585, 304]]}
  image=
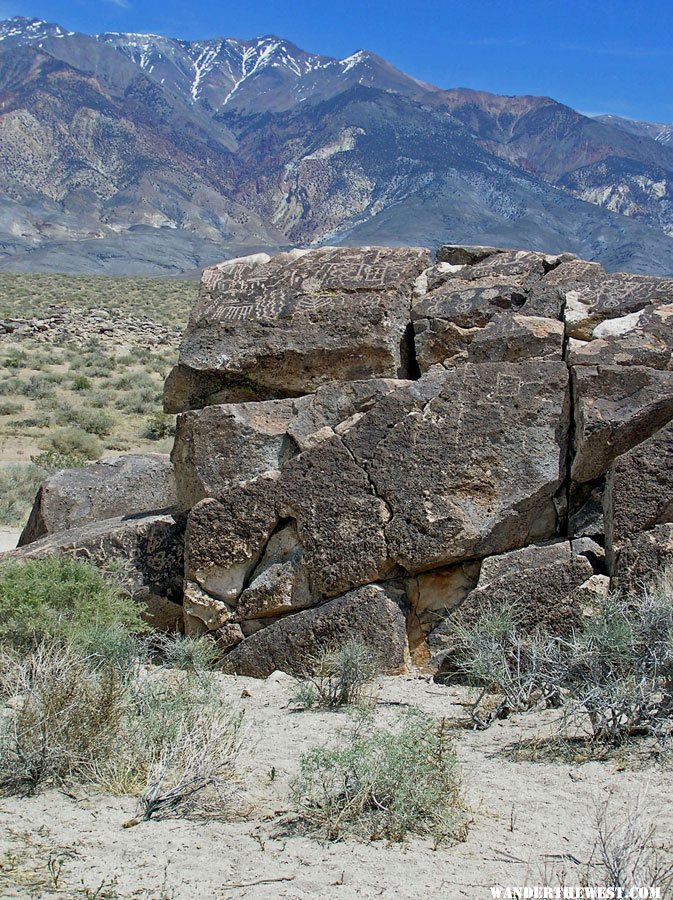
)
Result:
{"points": [[115, 144]]}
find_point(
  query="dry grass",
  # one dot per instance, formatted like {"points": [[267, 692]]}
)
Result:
{"points": [[87, 397]]}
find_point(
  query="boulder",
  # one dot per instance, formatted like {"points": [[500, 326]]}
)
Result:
{"points": [[643, 558], [280, 583], [203, 613], [114, 486], [339, 517], [535, 556], [468, 461], [461, 256], [266, 329], [638, 492], [615, 409], [224, 445], [640, 338], [487, 320], [592, 302], [145, 552], [225, 538], [570, 270], [221, 446], [373, 615], [547, 587]]}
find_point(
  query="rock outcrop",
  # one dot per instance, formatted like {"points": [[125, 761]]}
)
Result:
{"points": [[371, 444], [115, 486]]}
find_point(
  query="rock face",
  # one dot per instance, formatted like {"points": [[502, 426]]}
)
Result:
{"points": [[145, 551], [266, 328], [115, 486], [372, 614], [373, 444]]}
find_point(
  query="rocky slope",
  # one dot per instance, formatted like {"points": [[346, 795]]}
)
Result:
{"points": [[373, 441], [141, 153]]}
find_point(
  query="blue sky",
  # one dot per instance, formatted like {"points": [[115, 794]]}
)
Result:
{"points": [[595, 55]]}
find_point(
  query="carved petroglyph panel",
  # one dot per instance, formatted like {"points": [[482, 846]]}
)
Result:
{"points": [[314, 281]]}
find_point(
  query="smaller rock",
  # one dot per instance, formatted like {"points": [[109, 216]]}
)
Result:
{"points": [[372, 614], [114, 486], [642, 558], [226, 538], [638, 492]]}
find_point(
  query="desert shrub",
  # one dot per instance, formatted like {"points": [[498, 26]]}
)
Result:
{"points": [[92, 421], [191, 654], [627, 850], [74, 441], [139, 401], [614, 675], [63, 717], [99, 399], [342, 676], [18, 485], [192, 772], [618, 672], [514, 670], [158, 426], [383, 785], [68, 716], [81, 383], [38, 387], [134, 380], [9, 407], [51, 461], [15, 360], [61, 599], [10, 386]]}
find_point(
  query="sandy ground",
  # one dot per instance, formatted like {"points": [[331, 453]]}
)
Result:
{"points": [[8, 538], [530, 820]]}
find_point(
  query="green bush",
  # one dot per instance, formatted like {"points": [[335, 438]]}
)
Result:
{"points": [[514, 669], [341, 676], [618, 672], [93, 421], [51, 461], [9, 407], [15, 360], [74, 441], [191, 654], [60, 598], [10, 386], [81, 383], [38, 387], [158, 426], [384, 785], [18, 487]]}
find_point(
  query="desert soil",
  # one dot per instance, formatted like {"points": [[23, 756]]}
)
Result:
{"points": [[531, 821]]}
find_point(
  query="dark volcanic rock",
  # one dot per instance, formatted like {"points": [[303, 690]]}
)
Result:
{"points": [[225, 538], [544, 586], [115, 486], [638, 492], [468, 460], [643, 558], [373, 615], [615, 408], [280, 328], [147, 550], [219, 446]]}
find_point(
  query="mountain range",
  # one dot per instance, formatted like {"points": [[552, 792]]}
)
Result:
{"points": [[142, 154]]}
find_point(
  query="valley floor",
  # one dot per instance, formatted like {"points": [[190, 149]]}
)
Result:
{"points": [[532, 822]]}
